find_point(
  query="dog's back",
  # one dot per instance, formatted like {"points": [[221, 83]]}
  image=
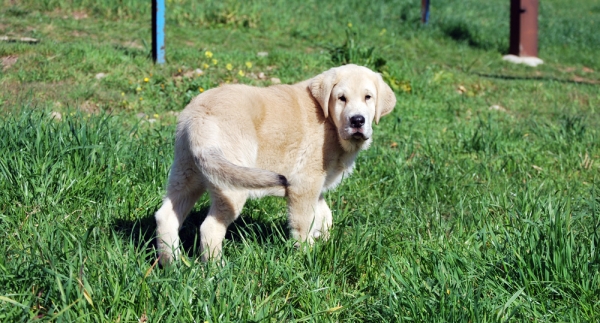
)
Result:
{"points": [[227, 132]]}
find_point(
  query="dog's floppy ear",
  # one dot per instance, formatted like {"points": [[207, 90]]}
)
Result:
{"points": [[386, 99], [320, 88]]}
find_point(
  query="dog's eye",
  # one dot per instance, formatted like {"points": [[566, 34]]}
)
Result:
{"points": [[367, 97], [343, 98]]}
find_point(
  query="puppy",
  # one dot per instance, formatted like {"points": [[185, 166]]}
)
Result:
{"points": [[295, 141]]}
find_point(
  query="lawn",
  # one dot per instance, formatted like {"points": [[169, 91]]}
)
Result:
{"points": [[479, 200]]}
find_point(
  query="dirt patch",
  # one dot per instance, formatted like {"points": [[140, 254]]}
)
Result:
{"points": [[89, 107], [53, 95], [79, 14], [36, 93], [132, 44], [579, 79], [78, 33], [8, 61], [568, 69]]}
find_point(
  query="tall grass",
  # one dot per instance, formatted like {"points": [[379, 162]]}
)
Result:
{"points": [[457, 212]]}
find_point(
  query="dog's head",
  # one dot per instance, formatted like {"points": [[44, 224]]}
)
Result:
{"points": [[353, 96]]}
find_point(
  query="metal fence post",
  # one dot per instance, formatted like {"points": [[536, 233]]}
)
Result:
{"points": [[424, 11], [158, 31], [524, 28]]}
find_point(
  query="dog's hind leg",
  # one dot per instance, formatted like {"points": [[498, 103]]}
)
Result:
{"points": [[183, 190], [225, 207]]}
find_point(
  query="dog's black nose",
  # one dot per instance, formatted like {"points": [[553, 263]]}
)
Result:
{"points": [[357, 121]]}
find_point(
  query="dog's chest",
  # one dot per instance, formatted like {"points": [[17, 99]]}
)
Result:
{"points": [[338, 169]]}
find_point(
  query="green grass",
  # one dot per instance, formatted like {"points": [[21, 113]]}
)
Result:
{"points": [[457, 213]]}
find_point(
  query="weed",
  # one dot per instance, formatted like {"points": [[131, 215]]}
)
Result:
{"points": [[353, 52]]}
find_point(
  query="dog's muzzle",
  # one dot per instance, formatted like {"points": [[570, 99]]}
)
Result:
{"points": [[357, 131]]}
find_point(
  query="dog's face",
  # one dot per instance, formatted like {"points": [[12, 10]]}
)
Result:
{"points": [[352, 107], [353, 96]]}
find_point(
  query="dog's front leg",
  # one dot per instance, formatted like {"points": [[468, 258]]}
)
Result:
{"points": [[323, 221], [304, 211]]}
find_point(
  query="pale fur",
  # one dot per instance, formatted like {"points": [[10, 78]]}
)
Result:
{"points": [[296, 141]]}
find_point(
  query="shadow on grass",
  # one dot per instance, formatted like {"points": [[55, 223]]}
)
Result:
{"points": [[578, 80], [133, 51], [460, 32], [464, 32], [142, 232]]}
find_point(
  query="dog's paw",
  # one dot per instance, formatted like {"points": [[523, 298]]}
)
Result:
{"points": [[306, 244], [165, 259]]}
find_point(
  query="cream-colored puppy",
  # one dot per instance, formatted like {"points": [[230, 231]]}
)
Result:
{"points": [[296, 141]]}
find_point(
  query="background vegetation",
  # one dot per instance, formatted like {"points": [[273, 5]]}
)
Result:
{"points": [[478, 202]]}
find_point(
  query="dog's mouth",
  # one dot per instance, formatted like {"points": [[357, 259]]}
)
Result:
{"points": [[357, 133]]}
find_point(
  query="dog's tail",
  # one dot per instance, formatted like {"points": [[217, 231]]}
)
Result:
{"points": [[223, 173]]}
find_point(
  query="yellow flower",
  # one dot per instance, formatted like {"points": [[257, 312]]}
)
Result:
{"points": [[349, 25], [208, 54], [141, 98], [138, 89], [241, 73], [146, 79], [201, 89], [122, 93], [214, 61], [229, 67], [249, 64], [205, 66], [155, 116]]}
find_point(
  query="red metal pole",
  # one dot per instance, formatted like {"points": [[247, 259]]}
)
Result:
{"points": [[524, 28]]}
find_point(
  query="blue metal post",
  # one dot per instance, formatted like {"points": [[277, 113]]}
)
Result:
{"points": [[425, 11], [158, 31]]}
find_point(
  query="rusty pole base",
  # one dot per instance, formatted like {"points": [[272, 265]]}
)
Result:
{"points": [[527, 60], [523, 43]]}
